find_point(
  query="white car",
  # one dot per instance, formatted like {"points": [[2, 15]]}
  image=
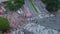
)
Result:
{"points": [[20, 11]]}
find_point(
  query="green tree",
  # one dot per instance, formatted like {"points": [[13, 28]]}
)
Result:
{"points": [[15, 5], [4, 24], [11, 6], [52, 5], [18, 3]]}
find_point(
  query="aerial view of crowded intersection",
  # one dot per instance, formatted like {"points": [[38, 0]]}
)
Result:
{"points": [[29, 16]]}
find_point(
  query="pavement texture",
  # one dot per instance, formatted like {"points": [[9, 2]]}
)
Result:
{"points": [[44, 17], [33, 28]]}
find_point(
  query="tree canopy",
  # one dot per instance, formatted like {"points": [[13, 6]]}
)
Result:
{"points": [[15, 4], [52, 5], [4, 24]]}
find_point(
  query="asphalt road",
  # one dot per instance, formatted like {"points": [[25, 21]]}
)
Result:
{"points": [[28, 4], [51, 21]]}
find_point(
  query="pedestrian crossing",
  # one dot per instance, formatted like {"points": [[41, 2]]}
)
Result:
{"points": [[35, 29]]}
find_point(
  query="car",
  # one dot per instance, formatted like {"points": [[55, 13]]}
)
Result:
{"points": [[20, 11]]}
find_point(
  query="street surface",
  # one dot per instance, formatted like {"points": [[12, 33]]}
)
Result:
{"points": [[41, 23]]}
